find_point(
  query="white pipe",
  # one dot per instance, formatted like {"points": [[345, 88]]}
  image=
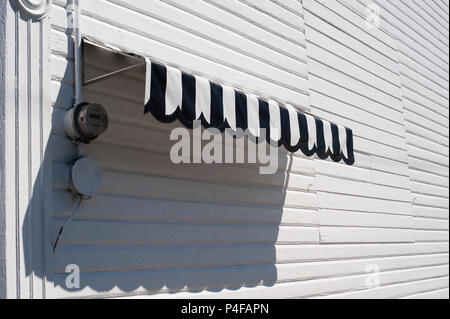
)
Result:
{"points": [[76, 12]]}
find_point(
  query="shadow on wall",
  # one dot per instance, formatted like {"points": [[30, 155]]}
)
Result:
{"points": [[155, 226]]}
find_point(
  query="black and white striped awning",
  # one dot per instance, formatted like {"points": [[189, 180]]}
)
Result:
{"points": [[172, 94]]}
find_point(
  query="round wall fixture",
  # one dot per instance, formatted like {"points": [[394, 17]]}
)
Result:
{"points": [[86, 177], [34, 8]]}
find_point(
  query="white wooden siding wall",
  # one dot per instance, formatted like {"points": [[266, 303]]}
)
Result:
{"points": [[312, 228], [356, 76], [27, 114], [2, 155], [421, 30]]}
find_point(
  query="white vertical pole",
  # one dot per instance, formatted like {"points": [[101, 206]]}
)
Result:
{"points": [[77, 52]]}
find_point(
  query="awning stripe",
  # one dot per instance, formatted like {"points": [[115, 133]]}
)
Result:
{"points": [[202, 99], [188, 104], [342, 140], [275, 121], [294, 126], [172, 94], [229, 107], [327, 136], [253, 114], [312, 135]]}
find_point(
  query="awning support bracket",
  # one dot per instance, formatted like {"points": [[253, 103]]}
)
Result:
{"points": [[113, 74]]}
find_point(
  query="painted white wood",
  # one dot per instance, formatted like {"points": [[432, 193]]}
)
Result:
{"points": [[291, 5], [173, 257], [422, 97], [433, 294], [352, 187], [416, 30], [133, 234], [109, 207], [2, 157], [139, 185], [35, 9], [234, 13], [211, 31], [367, 129], [364, 235], [430, 126], [356, 219], [406, 42], [397, 290], [215, 278], [26, 136], [272, 9], [327, 286]]}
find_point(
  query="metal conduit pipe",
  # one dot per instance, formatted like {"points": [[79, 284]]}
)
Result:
{"points": [[78, 63]]}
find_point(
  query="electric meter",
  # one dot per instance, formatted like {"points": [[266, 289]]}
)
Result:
{"points": [[86, 121]]}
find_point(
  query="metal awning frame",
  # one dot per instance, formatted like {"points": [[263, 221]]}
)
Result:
{"points": [[86, 82]]}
